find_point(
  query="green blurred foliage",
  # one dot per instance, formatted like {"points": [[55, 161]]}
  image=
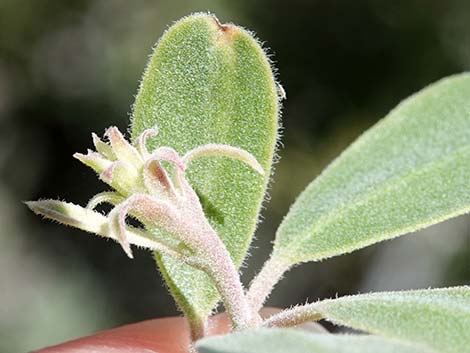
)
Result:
{"points": [[68, 68]]}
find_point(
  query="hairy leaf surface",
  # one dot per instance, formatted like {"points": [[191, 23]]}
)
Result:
{"points": [[438, 318], [409, 171], [211, 83], [293, 341]]}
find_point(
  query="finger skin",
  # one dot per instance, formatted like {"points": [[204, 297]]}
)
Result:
{"points": [[167, 335]]}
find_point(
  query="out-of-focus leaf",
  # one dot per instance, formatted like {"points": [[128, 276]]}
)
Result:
{"points": [[211, 83], [438, 318], [409, 171], [292, 341]]}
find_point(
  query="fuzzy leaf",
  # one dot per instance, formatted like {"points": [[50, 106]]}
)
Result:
{"points": [[409, 171], [438, 318], [293, 341], [208, 83]]}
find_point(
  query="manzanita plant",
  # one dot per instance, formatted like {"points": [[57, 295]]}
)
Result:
{"points": [[204, 131]]}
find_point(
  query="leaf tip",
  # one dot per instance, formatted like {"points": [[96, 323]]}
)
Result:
{"points": [[33, 206]]}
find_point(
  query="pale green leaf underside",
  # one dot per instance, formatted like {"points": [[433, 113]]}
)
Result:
{"points": [[438, 318], [207, 83], [293, 341], [409, 171]]}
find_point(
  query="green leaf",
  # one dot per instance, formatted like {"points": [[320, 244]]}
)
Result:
{"points": [[212, 83], [438, 318], [293, 341], [409, 171]]}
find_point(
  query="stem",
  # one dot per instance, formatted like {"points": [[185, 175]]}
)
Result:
{"points": [[264, 282], [218, 265], [293, 317], [197, 329], [227, 281]]}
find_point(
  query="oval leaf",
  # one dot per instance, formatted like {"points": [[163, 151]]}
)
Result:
{"points": [[212, 83], [438, 318], [292, 341], [409, 171]]}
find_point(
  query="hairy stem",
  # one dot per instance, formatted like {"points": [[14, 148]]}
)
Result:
{"points": [[227, 281], [197, 329], [264, 282], [293, 317]]}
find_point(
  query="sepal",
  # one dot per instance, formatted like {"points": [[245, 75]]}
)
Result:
{"points": [[218, 150], [94, 160]]}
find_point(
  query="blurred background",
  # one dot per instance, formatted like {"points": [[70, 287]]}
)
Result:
{"points": [[68, 68]]}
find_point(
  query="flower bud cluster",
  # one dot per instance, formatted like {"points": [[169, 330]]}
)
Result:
{"points": [[160, 198]]}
